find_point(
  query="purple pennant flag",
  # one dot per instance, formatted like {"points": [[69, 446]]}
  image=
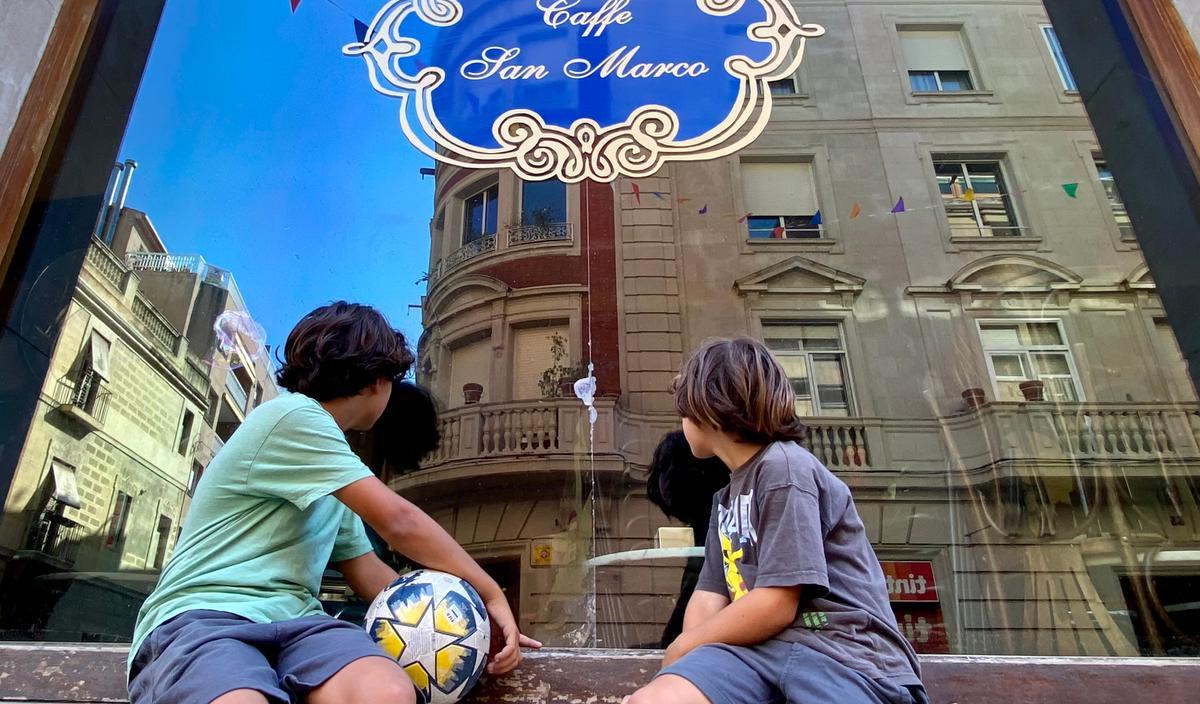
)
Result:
{"points": [[899, 206], [360, 30], [704, 210]]}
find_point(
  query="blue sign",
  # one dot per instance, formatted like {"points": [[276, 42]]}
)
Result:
{"points": [[582, 89]]}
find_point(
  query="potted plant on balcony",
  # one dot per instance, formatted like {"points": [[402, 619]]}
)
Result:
{"points": [[1033, 390], [472, 393], [975, 398], [558, 380]]}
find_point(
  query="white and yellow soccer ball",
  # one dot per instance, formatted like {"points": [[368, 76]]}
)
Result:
{"points": [[435, 626]]}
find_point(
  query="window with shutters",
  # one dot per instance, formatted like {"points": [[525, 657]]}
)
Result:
{"points": [[814, 356], [1029, 350], [976, 197], [936, 60], [117, 522], [534, 354], [781, 200], [1115, 203], [162, 539], [470, 363]]}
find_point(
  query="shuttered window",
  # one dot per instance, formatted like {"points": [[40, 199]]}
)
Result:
{"points": [[533, 354]]}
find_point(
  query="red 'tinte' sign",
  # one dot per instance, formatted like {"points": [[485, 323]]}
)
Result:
{"points": [[910, 581]]}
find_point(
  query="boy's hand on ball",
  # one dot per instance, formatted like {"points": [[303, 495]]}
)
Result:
{"points": [[507, 640]]}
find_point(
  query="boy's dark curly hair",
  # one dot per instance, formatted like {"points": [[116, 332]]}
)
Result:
{"points": [[340, 349]]}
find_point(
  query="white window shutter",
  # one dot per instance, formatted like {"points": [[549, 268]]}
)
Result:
{"points": [[470, 364], [532, 356], [934, 50], [779, 188], [99, 352]]}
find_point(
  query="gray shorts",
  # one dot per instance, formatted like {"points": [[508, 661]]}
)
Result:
{"points": [[776, 671], [200, 655]]}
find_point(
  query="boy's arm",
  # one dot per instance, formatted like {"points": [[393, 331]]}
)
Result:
{"points": [[760, 615], [366, 574], [411, 532], [702, 607]]}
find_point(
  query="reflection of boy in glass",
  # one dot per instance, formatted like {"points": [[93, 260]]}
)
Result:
{"points": [[683, 487]]}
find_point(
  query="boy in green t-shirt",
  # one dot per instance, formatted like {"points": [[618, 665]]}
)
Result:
{"points": [[235, 617]]}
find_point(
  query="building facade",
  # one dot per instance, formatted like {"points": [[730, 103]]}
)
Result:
{"points": [[929, 237], [138, 399]]}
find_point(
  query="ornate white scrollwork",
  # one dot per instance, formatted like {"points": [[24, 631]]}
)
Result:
{"points": [[636, 147]]}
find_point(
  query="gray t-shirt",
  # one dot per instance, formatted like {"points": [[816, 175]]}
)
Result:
{"points": [[784, 521]]}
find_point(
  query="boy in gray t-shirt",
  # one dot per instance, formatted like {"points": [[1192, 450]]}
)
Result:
{"points": [[791, 604]]}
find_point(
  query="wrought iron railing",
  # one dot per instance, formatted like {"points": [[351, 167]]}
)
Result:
{"points": [[85, 391], [469, 251], [548, 232], [55, 535]]}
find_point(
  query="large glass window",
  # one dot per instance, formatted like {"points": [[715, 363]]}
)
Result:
{"points": [[989, 366]]}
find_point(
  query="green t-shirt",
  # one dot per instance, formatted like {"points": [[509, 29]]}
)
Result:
{"points": [[262, 526]]}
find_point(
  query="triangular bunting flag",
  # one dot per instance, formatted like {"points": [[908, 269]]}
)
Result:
{"points": [[704, 210], [295, 4], [637, 193], [1072, 189], [360, 30], [817, 221], [658, 195], [683, 200], [899, 207], [744, 218], [969, 196], [855, 210]]}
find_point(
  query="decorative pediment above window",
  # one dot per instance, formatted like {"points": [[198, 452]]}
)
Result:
{"points": [[1139, 279], [465, 292], [1014, 273], [798, 275]]}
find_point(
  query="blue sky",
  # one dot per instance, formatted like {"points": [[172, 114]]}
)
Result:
{"points": [[263, 148]]}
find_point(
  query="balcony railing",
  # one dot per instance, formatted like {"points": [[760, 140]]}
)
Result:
{"points": [[236, 390], [84, 391], [1076, 432], [56, 536], [154, 325], [522, 428], [464, 253], [839, 444], [110, 268], [548, 232]]}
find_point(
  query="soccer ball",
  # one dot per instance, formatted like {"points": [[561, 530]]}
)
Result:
{"points": [[436, 627]]}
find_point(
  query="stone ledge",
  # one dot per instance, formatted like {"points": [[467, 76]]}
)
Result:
{"points": [[73, 674]]}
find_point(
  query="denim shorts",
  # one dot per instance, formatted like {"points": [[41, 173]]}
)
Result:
{"points": [[200, 655], [777, 672]]}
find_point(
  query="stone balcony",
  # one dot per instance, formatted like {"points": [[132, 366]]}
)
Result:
{"points": [[500, 439], [1042, 438]]}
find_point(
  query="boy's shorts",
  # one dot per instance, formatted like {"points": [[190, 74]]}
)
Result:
{"points": [[200, 655], [776, 671]]}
